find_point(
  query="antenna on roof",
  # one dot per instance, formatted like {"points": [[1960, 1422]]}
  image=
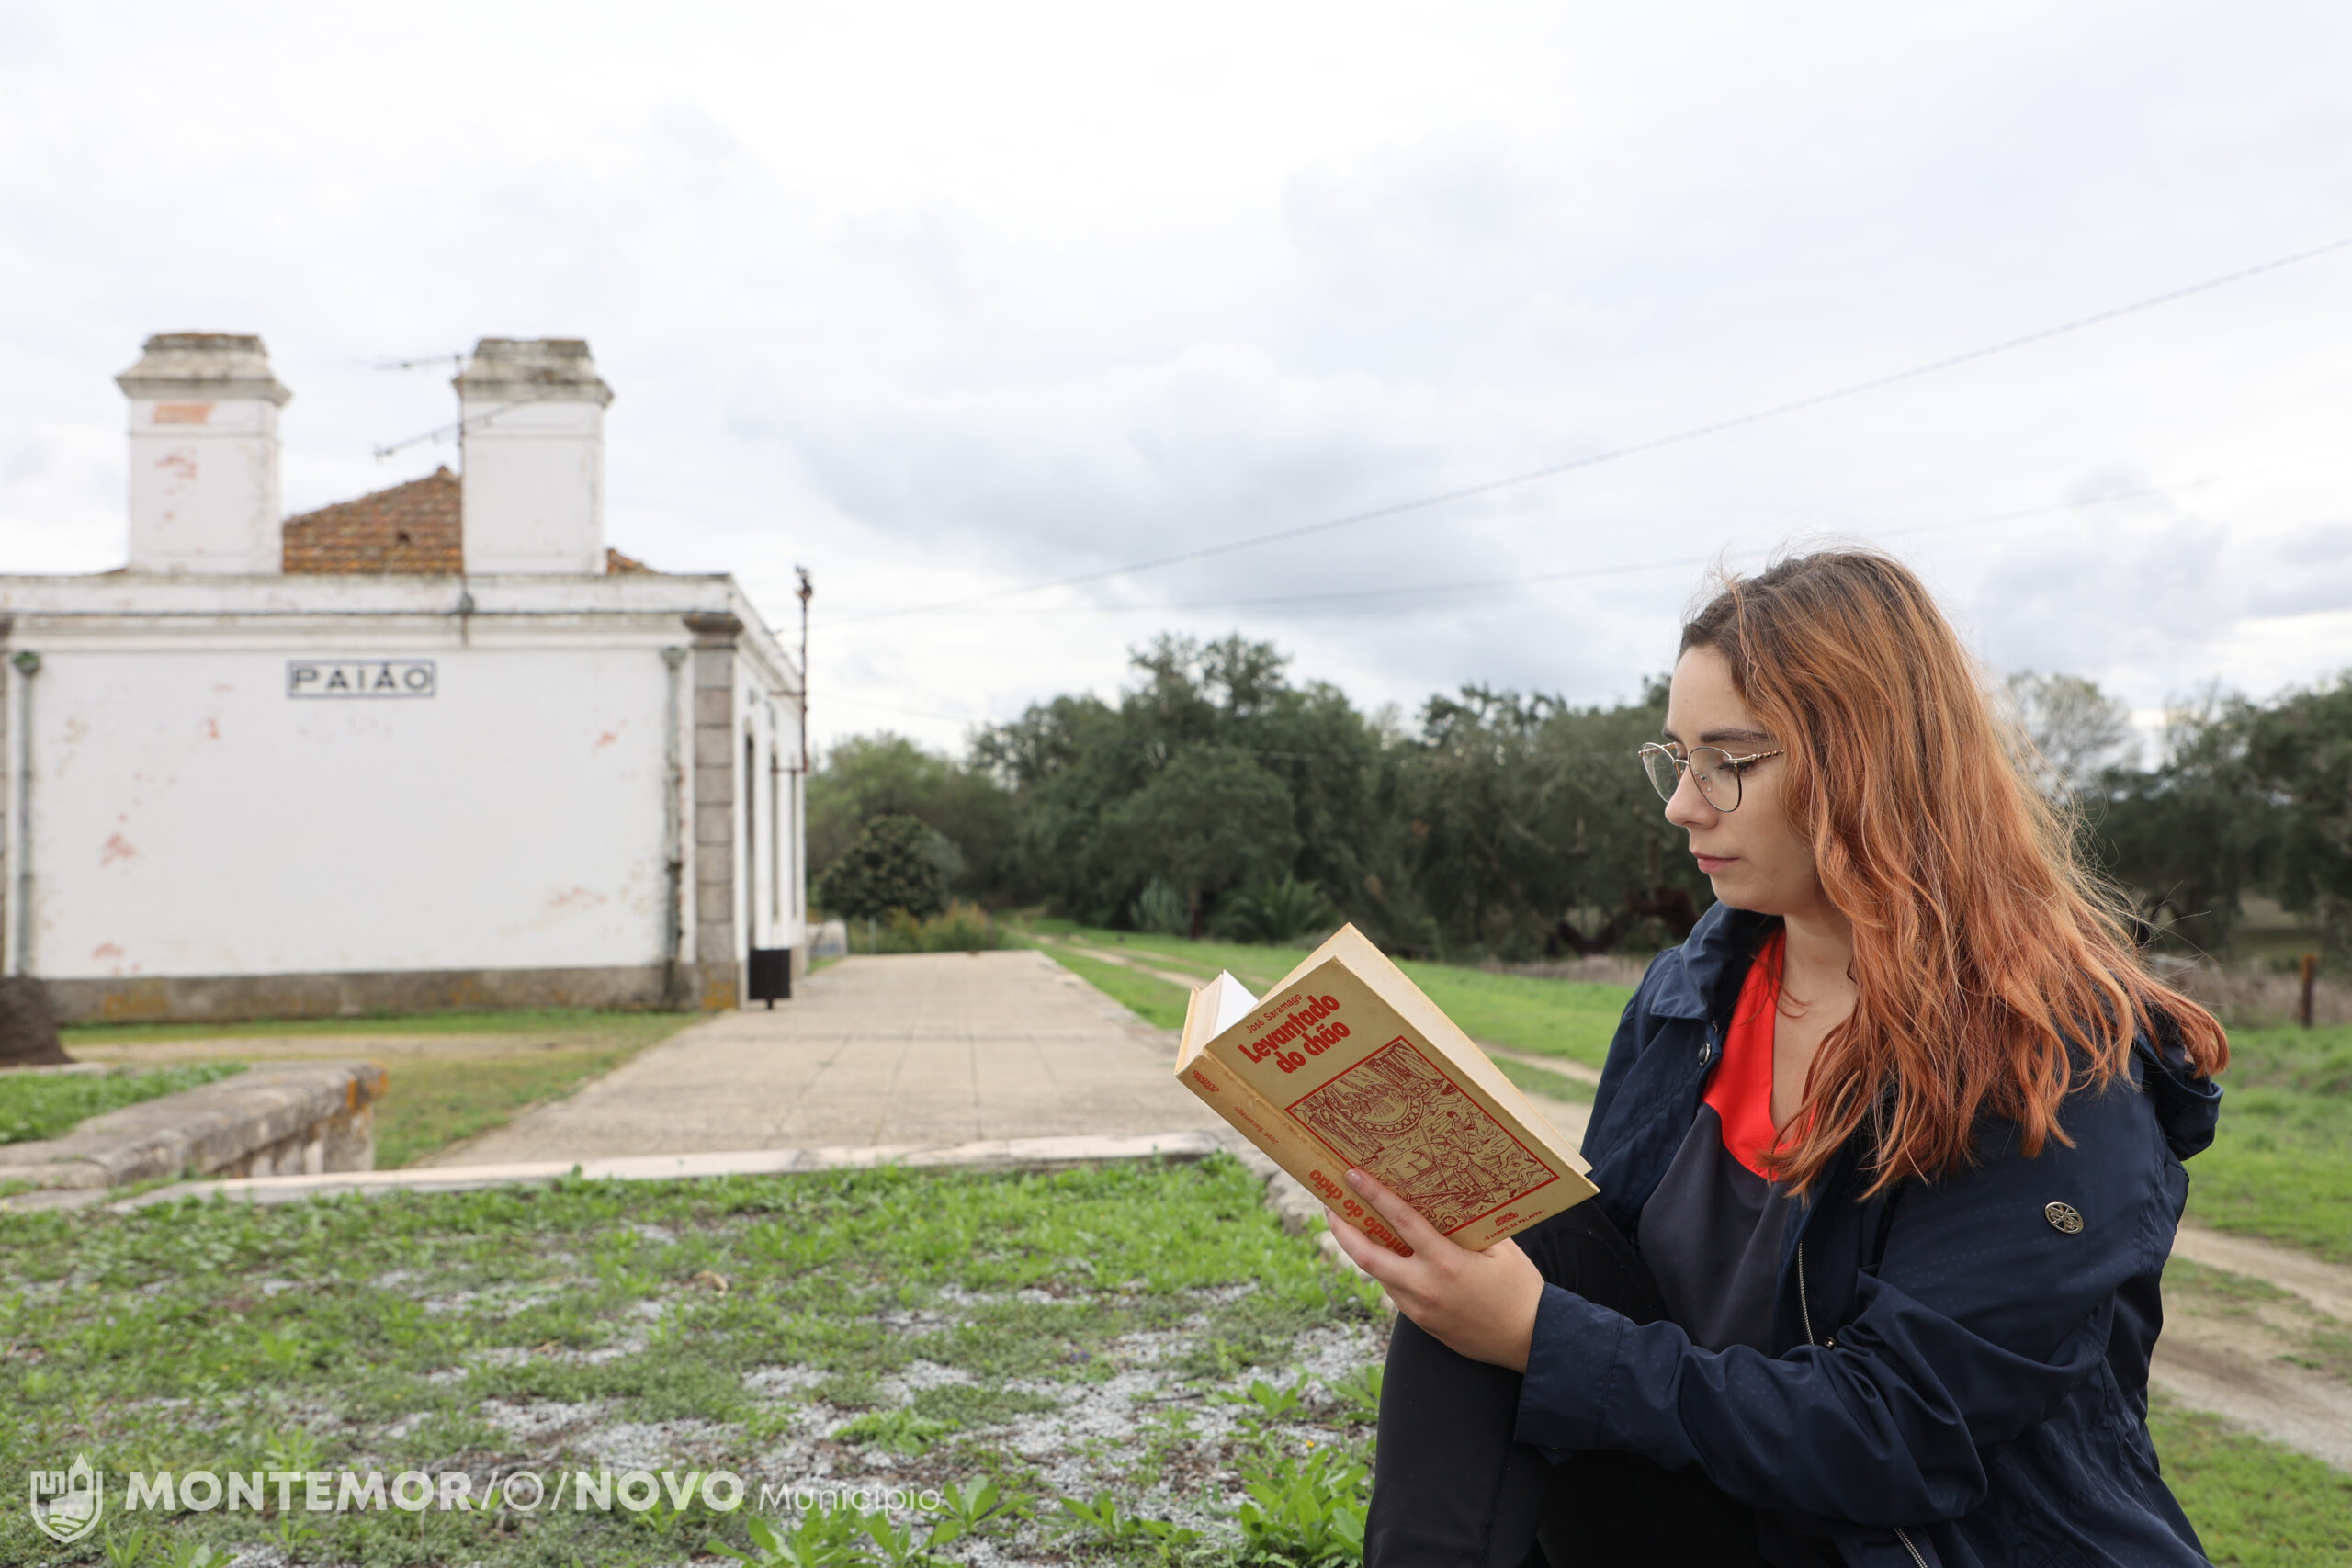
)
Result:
{"points": [[457, 363]]}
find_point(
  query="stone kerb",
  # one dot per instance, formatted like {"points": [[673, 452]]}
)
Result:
{"points": [[297, 1118]]}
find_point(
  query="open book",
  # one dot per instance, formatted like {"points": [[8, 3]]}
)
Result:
{"points": [[1345, 1065]]}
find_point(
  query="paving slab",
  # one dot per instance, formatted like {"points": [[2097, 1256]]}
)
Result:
{"points": [[925, 1050]]}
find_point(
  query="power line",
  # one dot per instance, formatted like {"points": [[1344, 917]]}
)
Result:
{"points": [[1570, 574], [1616, 453]]}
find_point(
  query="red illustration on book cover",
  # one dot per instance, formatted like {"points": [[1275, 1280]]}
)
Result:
{"points": [[1399, 1116]]}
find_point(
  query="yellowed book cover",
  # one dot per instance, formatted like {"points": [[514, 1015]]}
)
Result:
{"points": [[1345, 1065]]}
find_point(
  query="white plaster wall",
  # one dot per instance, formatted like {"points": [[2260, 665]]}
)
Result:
{"points": [[203, 487], [534, 481], [775, 883], [189, 818]]}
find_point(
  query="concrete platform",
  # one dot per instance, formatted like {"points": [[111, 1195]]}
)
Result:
{"points": [[928, 1049], [285, 1117]]}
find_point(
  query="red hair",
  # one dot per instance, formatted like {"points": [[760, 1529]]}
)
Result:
{"points": [[1989, 964]]}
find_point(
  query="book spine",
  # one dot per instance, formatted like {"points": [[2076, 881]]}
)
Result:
{"points": [[1278, 1136]]}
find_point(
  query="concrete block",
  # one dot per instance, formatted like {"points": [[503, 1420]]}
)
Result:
{"points": [[714, 746], [714, 825], [714, 906], [714, 786], [714, 667], [716, 706], [305, 1116]]}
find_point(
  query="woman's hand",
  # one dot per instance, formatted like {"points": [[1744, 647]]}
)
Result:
{"points": [[1479, 1304]]}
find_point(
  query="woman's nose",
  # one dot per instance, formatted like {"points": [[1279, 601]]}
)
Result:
{"points": [[1686, 807]]}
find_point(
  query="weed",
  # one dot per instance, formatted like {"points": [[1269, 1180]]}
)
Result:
{"points": [[1166, 1433], [292, 1534], [1358, 1394], [1100, 1522], [1271, 1404], [974, 1405], [128, 1549], [894, 1541], [282, 1351], [1306, 1512], [858, 1390], [1251, 1331], [897, 1431], [828, 1538], [972, 1507], [295, 1450]]}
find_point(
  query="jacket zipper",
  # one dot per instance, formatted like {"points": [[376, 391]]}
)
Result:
{"points": [[1804, 1309]]}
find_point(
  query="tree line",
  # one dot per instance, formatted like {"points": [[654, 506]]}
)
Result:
{"points": [[1218, 794]]}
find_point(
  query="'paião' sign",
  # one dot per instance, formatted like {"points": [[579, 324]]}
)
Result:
{"points": [[359, 677]]}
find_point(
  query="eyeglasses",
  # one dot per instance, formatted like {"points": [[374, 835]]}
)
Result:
{"points": [[1715, 770]]}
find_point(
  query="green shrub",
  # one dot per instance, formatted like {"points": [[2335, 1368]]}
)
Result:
{"points": [[961, 928], [1160, 909], [894, 863], [1276, 911]]}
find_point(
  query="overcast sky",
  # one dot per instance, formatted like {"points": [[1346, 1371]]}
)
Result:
{"points": [[940, 301]]}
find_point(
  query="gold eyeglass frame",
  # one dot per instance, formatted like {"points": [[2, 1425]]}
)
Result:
{"points": [[1736, 766]]}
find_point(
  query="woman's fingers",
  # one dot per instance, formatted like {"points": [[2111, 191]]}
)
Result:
{"points": [[1362, 1251], [1403, 1218]]}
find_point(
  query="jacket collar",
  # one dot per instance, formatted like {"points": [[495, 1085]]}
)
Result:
{"points": [[1690, 977]]}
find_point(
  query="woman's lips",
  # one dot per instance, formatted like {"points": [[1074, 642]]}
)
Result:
{"points": [[1710, 864]]}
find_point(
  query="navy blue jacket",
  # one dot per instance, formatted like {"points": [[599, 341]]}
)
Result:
{"points": [[1958, 1383]]}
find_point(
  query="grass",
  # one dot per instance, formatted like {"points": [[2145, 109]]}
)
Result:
{"points": [[2281, 1166], [453, 1076], [34, 1105], [432, 1104], [1156, 1001], [1571, 1019], [913, 1328], [1536, 1080], [2256, 1504], [1096, 1365]]}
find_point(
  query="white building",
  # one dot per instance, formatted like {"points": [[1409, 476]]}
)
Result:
{"points": [[436, 746]]}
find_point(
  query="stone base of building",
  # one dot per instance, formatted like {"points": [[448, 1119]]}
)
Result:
{"points": [[236, 999]]}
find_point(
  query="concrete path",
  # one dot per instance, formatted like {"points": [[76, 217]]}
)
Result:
{"points": [[925, 1050]]}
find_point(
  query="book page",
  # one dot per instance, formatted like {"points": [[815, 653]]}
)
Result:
{"points": [[1228, 1001]]}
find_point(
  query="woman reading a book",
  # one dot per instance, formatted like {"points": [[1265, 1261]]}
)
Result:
{"points": [[1888, 1155]]}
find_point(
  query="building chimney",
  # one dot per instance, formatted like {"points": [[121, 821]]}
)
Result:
{"points": [[204, 455], [533, 435]]}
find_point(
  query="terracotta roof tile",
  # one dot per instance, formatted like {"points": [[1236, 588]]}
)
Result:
{"points": [[409, 529], [413, 529]]}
